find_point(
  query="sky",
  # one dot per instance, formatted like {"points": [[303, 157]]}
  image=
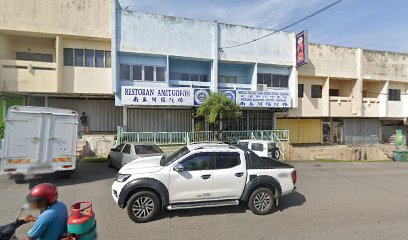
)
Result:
{"points": [[372, 24]]}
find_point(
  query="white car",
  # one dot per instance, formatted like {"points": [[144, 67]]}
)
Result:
{"points": [[264, 148], [202, 175], [129, 151]]}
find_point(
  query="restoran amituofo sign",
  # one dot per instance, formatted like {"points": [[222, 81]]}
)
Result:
{"points": [[152, 96]]}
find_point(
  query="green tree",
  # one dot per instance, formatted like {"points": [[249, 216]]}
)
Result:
{"points": [[218, 107]]}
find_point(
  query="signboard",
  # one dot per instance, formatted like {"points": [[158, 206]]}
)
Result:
{"points": [[277, 98], [200, 95], [301, 48], [152, 96]]}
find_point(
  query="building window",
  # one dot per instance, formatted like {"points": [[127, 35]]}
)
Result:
{"points": [[35, 57], [124, 72], [160, 74], [148, 73], [137, 72], [272, 80], [227, 79], [301, 88], [89, 58], [99, 58], [316, 91], [188, 77], [107, 59], [68, 57], [334, 92], [394, 95], [79, 57]]}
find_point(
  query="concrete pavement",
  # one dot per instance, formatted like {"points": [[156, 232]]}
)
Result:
{"points": [[334, 201]]}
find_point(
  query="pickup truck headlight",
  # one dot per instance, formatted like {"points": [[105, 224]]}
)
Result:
{"points": [[122, 177]]}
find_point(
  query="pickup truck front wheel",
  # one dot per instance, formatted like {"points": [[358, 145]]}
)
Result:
{"points": [[261, 201], [143, 206]]}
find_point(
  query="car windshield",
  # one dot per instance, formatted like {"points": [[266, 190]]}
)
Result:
{"points": [[147, 149], [166, 160], [243, 144]]}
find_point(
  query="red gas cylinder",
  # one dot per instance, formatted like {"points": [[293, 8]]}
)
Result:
{"points": [[82, 223]]}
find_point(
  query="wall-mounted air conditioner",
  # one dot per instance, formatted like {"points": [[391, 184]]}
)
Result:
{"points": [[262, 87]]}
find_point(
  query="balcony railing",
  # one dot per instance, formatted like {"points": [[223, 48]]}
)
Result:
{"points": [[341, 106], [28, 76], [371, 107]]}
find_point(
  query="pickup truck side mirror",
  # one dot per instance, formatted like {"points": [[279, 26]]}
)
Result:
{"points": [[179, 168], [113, 149]]}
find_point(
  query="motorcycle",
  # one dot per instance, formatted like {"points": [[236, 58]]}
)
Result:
{"points": [[81, 224]]}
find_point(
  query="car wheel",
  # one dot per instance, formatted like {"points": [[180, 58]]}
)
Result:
{"points": [[110, 163], [261, 201], [276, 153], [143, 207]]}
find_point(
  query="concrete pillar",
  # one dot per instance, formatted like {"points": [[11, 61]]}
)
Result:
{"points": [[59, 58], [114, 62], [167, 71], [358, 86], [293, 87], [254, 80], [214, 73], [384, 99], [404, 98], [124, 117], [326, 97], [46, 101]]}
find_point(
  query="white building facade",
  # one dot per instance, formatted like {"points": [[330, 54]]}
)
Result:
{"points": [[164, 66]]}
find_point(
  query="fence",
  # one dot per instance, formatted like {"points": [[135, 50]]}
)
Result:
{"points": [[174, 138]]}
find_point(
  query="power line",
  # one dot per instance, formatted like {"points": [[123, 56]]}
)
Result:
{"points": [[286, 27]]}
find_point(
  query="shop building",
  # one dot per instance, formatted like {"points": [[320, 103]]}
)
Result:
{"points": [[154, 55], [351, 95], [58, 54]]}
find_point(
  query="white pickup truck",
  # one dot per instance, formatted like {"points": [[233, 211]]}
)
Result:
{"points": [[202, 175]]}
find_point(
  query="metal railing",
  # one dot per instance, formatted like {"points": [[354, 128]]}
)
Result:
{"points": [[175, 138]]}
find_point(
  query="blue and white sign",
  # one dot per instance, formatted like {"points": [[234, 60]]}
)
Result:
{"points": [[231, 94], [200, 95], [277, 98], [151, 96]]}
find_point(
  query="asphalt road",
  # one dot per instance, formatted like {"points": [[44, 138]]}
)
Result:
{"points": [[334, 201]]}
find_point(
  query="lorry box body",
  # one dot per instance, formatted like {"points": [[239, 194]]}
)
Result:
{"points": [[39, 140]]}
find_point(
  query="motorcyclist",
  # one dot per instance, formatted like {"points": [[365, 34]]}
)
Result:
{"points": [[51, 224]]}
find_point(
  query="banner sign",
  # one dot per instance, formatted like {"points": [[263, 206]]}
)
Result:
{"points": [[301, 48], [277, 98], [151, 96]]}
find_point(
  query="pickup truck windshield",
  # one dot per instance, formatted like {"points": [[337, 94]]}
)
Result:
{"points": [[166, 160]]}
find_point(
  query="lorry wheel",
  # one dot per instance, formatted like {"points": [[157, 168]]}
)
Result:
{"points": [[110, 163], [68, 174], [19, 178], [143, 206], [261, 201]]}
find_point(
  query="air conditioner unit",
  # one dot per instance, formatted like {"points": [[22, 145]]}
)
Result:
{"points": [[262, 87]]}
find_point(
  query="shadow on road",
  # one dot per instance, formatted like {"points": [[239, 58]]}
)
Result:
{"points": [[291, 200], [288, 201], [86, 173]]}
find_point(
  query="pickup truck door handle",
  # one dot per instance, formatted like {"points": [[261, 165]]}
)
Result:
{"points": [[206, 176], [239, 174]]}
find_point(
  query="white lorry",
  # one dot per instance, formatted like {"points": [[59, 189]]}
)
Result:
{"points": [[39, 140]]}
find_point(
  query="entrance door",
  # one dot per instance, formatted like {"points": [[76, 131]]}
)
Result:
{"points": [[195, 182]]}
